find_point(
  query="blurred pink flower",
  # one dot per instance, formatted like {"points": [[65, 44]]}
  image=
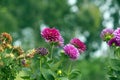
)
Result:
{"points": [[71, 51], [61, 41], [78, 44], [107, 34], [113, 42], [117, 34]]}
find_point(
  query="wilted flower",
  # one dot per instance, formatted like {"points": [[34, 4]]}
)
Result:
{"points": [[25, 63], [10, 55], [42, 51], [31, 53], [8, 46], [107, 34], [52, 35], [78, 44], [18, 50], [117, 34], [5, 38], [1, 49], [71, 51], [113, 42]]}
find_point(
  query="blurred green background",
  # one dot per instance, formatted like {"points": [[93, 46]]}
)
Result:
{"points": [[84, 19]]}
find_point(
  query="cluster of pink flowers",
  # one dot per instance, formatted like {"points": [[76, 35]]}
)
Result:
{"points": [[73, 49], [112, 37]]}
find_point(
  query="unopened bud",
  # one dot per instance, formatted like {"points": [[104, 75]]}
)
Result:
{"points": [[59, 72], [42, 51]]}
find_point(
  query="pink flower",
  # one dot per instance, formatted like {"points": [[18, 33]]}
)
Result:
{"points": [[117, 34], [113, 42], [107, 34], [78, 44], [61, 41], [52, 35], [71, 51]]}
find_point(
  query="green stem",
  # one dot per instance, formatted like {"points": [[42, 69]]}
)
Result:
{"points": [[69, 69], [52, 47], [117, 53], [40, 65], [11, 50]]}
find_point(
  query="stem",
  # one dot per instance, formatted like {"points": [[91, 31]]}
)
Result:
{"points": [[11, 50], [69, 69], [52, 46], [117, 53], [40, 65]]}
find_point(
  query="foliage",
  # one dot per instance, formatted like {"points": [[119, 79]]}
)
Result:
{"points": [[114, 58], [83, 19], [9, 64], [50, 64], [32, 13], [39, 63]]}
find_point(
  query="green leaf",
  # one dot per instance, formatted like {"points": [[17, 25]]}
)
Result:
{"points": [[48, 74], [113, 78], [56, 65], [115, 64], [75, 74], [63, 78], [25, 77]]}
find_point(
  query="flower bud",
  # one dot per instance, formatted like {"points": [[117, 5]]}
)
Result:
{"points": [[59, 72], [42, 51]]}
